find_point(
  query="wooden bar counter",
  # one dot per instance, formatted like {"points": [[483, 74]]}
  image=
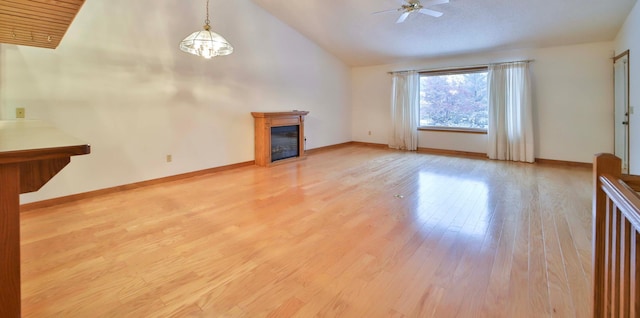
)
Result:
{"points": [[31, 153]]}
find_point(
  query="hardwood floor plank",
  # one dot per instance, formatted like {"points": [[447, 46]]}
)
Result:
{"points": [[559, 292], [578, 284], [477, 269], [498, 290], [286, 309], [538, 280], [353, 231], [519, 291]]}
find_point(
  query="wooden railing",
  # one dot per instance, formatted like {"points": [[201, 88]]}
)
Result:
{"points": [[616, 240]]}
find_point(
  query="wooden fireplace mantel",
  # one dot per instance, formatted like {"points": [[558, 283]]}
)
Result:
{"points": [[263, 122], [31, 153]]}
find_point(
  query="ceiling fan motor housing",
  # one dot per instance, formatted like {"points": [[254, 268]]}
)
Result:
{"points": [[411, 7]]}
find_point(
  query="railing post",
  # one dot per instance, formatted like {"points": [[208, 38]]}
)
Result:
{"points": [[603, 163]]}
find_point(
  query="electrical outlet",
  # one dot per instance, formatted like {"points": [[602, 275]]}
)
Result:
{"points": [[169, 158], [369, 132], [20, 112]]}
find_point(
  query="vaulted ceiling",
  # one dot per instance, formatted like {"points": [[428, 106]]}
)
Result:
{"points": [[40, 23], [349, 30]]}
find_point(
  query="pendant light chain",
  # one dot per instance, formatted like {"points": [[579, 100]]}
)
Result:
{"points": [[207, 20]]}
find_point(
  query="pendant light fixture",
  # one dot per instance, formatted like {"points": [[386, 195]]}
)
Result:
{"points": [[206, 43]]}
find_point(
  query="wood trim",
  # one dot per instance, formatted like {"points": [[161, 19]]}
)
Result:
{"points": [[330, 147], [453, 71], [43, 154], [628, 89], [369, 144], [446, 152], [454, 130], [477, 155], [91, 194], [621, 55], [565, 163], [279, 114]]}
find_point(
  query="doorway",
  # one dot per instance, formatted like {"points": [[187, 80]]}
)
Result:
{"points": [[621, 108]]}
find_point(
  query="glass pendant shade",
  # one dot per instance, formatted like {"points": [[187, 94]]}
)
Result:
{"points": [[205, 42]]}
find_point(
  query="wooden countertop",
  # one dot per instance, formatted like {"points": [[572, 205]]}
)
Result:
{"points": [[27, 140]]}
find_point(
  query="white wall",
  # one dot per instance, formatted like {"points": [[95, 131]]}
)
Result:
{"points": [[119, 82], [573, 94], [629, 39]]}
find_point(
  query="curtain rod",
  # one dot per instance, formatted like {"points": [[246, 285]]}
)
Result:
{"points": [[460, 67]]}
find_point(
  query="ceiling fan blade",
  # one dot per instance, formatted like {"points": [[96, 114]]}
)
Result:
{"points": [[385, 11], [432, 13], [434, 2], [403, 17]]}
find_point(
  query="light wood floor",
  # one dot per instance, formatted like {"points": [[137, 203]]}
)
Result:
{"points": [[350, 232]]}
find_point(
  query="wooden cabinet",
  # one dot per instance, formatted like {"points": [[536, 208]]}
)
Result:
{"points": [[264, 122]]}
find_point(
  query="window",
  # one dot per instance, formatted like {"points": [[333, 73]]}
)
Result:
{"points": [[454, 100]]}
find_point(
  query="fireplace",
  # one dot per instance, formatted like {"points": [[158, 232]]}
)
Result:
{"points": [[284, 142], [279, 137]]}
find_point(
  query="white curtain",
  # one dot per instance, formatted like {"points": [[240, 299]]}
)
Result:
{"points": [[405, 106], [510, 130]]}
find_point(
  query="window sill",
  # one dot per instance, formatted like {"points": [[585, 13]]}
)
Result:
{"points": [[455, 130]]}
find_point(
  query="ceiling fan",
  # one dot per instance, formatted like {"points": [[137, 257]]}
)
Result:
{"points": [[411, 6]]}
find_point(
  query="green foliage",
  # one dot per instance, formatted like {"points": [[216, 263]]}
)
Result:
{"points": [[458, 100]]}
